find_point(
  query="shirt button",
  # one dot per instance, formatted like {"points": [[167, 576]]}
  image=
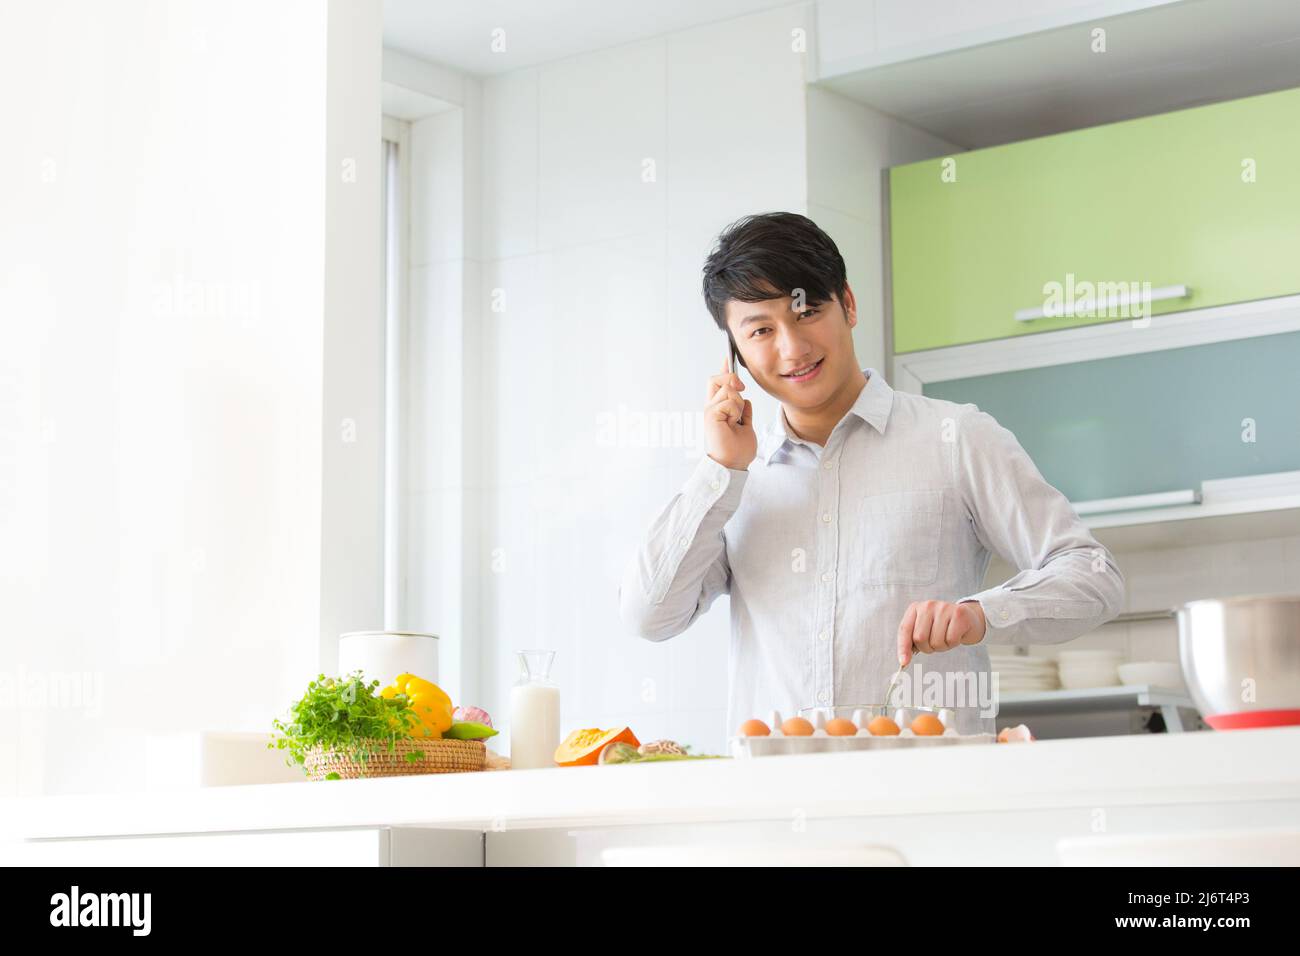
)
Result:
{"points": [[1005, 615], [822, 636], [715, 486], [826, 518], [685, 541], [822, 697], [828, 576], [828, 466]]}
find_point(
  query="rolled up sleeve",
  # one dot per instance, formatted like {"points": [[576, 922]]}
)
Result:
{"points": [[1068, 582]]}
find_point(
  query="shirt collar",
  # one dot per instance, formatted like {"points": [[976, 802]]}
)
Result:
{"points": [[873, 405]]}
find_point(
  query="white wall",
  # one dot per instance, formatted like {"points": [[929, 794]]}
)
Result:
{"points": [[162, 321], [849, 148]]}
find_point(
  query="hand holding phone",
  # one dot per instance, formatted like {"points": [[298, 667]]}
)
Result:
{"points": [[729, 419]]}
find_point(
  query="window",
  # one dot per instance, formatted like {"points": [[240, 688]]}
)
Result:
{"points": [[396, 178]]}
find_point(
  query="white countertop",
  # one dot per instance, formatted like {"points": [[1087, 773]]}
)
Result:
{"points": [[1203, 767]]}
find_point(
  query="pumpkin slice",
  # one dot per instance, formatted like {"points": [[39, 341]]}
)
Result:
{"points": [[582, 747]]}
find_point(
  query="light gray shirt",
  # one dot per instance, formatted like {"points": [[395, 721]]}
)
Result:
{"points": [[822, 550]]}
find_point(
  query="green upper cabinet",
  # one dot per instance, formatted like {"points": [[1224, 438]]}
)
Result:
{"points": [[1207, 198]]}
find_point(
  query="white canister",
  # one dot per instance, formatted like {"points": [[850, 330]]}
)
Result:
{"points": [[382, 655]]}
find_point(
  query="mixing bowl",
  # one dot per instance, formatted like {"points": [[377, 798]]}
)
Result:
{"points": [[1241, 659]]}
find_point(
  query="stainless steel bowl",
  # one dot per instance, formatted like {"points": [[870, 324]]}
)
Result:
{"points": [[1241, 658]]}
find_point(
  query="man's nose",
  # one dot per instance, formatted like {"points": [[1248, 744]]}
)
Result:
{"points": [[790, 344]]}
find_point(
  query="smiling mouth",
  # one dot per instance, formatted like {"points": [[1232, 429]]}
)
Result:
{"points": [[800, 374]]}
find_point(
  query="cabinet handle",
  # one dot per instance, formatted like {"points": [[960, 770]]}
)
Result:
{"points": [[1160, 499], [1070, 310]]}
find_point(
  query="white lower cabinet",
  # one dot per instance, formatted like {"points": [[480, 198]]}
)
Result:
{"points": [[981, 836], [367, 846]]}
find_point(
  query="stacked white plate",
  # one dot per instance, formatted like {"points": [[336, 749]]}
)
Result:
{"points": [[1021, 675], [1089, 668]]}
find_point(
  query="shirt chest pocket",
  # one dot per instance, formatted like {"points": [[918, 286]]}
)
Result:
{"points": [[894, 538]]}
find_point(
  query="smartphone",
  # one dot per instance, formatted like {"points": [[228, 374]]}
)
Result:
{"points": [[733, 366]]}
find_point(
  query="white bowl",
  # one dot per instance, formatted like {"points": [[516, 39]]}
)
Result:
{"points": [[1155, 673]]}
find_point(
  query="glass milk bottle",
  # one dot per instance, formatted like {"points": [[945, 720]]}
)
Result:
{"points": [[534, 713]]}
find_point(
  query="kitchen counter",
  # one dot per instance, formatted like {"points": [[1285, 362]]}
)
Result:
{"points": [[1136, 783]]}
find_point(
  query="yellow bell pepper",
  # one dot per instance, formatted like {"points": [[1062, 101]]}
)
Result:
{"points": [[429, 701]]}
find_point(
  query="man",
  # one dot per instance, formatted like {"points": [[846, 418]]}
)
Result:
{"points": [[856, 530]]}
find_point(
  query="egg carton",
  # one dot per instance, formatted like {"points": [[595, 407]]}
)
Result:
{"points": [[820, 741]]}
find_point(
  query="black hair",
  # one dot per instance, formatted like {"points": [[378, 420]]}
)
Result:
{"points": [[768, 256]]}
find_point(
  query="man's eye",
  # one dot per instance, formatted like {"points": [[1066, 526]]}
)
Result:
{"points": [[756, 331], [807, 313]]}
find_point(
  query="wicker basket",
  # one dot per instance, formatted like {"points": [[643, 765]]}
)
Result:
{"points": [[437, 756]]}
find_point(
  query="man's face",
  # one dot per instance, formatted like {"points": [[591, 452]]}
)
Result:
{"points": [[801, 358]]}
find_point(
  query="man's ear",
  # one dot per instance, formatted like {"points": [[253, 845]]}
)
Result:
{"points": [[850, 305]]}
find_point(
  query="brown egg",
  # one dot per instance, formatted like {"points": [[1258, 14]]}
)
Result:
{"points": [[927, 725], [882, 726], [754, 728], [797, 727], [841, 727]]}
